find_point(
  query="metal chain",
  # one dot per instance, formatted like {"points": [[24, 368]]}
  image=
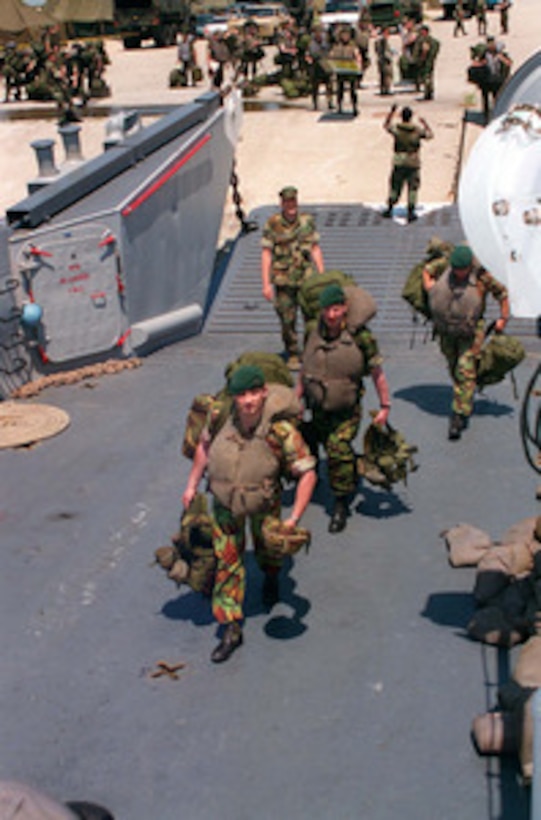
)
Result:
{"points": [[246, 224]]}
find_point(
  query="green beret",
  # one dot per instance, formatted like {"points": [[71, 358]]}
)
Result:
{"points": [[332, 295], [461, 257], [246, 377], [288, 192]]}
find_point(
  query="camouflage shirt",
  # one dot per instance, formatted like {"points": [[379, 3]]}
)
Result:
{"points": [[291, 245]]}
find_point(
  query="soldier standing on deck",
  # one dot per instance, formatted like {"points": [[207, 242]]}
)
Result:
{"points": [[339, 352], [246, 457], [290, 252], [457, 301], [407, 159]]}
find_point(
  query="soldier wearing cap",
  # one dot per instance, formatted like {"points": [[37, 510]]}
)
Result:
{"points": [[246, 458], [290, 254], [347, 60], [338, 354], [457, 300], [425, 51]]}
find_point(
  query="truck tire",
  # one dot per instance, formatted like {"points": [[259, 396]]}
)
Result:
{"points": [[132, 42]]}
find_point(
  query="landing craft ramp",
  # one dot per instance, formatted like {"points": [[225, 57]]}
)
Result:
{"points": [[377, 252]]}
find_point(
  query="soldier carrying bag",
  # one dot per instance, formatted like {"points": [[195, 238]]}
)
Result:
{"points": [[413, 291]]}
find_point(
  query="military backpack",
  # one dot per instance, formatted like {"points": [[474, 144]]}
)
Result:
{"points": [[499, 355]]}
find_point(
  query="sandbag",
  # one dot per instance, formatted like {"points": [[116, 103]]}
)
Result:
{"points": [[499, 355], [466, 545], [515, 559], [527, 671], [496, 733], [523, 530]]}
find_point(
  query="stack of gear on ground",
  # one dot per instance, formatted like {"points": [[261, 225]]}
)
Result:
{"points": [[507, 594]]}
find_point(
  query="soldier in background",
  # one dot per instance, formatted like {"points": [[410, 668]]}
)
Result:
{"points": [[319, 68], [407, 158], [406, 62], [13, 72], [290, 252], [346, 58], [504, 7], [459, 16], [457, 300], [251, 50], [219, 55], [186, 56], [489, 70], [425, 51], [481, 15], [384, 59], [362, 41]]}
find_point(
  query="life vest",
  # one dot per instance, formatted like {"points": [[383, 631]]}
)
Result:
{"points": [[456, 306], [333, 370], [243, 471]]}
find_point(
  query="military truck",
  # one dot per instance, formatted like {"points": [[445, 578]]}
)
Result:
{"points": [[392, 12], [160, 20]]}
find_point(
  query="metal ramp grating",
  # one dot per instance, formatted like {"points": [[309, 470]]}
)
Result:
{"points": [[377, 252]]}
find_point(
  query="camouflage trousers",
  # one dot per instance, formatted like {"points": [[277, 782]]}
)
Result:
{"points": [[385, 71], [427, 81], [403, 175], [286, 304], [229, 540], [336, 432], [462, 358]]}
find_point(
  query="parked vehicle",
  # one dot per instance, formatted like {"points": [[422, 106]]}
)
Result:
{"points": [[338, 12], [268, 18], [137, 20]]}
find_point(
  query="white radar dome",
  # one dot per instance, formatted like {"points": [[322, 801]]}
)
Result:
{"points": [[499, 201]]}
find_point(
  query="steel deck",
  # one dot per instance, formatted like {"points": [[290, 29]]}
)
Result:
{"points": [[377, 252]]}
